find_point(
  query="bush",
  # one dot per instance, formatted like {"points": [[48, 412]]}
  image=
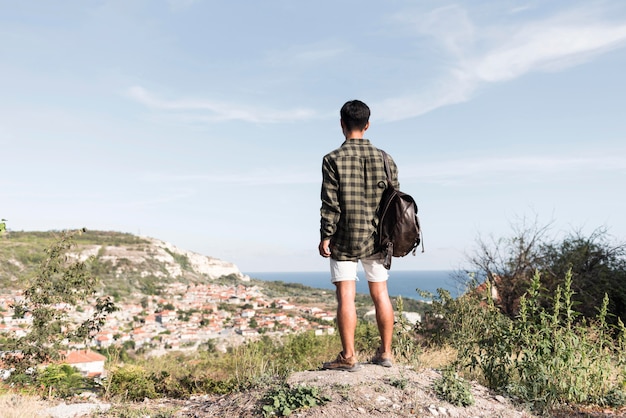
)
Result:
{"points": [[283, 400], [405, 343], [131, 383], [559, 358], [548, 355], [452, 388], [61, 380]]}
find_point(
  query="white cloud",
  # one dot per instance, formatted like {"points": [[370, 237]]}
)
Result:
{"points": [[478, 55], [207, 111], [547, 46]]}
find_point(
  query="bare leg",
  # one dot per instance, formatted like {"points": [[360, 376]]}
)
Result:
{"points": [[346, 315], [384, 316]]}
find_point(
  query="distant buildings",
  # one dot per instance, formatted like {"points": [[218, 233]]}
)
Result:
{"points": [[89, 363], [193, 316]]}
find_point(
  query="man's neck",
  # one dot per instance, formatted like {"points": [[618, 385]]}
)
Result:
{"points": [[356, 134]]}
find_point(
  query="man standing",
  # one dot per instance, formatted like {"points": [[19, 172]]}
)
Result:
{"points": [[354, 180]]}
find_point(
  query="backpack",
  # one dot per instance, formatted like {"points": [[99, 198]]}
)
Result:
{"points": [[399, 230]]}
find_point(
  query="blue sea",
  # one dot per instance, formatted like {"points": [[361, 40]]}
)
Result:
{"points": [[401, 283]]}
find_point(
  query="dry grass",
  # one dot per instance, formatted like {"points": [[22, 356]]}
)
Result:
{"points": [[437, 358], [19, 406]]}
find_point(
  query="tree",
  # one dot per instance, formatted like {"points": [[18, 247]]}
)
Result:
{"points": [[62, 282], [253, 324], [509, 263], [597, 267]]}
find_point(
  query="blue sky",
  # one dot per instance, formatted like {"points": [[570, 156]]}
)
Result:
{"points": [[203, 123]]}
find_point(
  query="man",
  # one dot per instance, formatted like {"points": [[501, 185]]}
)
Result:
{"points": [[353, 183]]}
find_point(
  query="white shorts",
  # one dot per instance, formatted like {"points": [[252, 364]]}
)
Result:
{"points": [[346, 270]]}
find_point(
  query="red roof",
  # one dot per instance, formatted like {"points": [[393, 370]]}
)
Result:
{"points": [[83, 356]]}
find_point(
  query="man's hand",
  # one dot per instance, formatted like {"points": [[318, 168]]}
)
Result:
{"points": [[324, 248]]}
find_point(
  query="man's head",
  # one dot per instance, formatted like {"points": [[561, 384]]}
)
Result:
{"points": [[355, 115]]}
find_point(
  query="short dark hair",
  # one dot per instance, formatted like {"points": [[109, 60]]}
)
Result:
{"points": [[355, 114]]}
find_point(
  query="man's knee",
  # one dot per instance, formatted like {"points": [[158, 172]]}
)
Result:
{"points": [[345, 290]]}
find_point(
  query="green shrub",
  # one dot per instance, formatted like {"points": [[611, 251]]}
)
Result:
{"points": [[614, 398], [398, 382], [548, 355], [405, 345], [557, 357], [132, 383], [452, 388], [61, 380], [282, 401]]}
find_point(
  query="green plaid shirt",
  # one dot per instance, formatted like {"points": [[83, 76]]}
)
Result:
{"points": [[353, 183]]}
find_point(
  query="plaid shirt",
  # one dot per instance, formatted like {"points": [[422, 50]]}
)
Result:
{"points": [[353, 183]]}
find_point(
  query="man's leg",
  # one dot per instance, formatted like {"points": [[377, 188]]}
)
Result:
{"points": [[384, 316], [377, 276], [343, 275], [346, 315]]}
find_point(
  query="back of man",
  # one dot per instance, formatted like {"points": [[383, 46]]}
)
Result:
{"points": [[354, 180]]}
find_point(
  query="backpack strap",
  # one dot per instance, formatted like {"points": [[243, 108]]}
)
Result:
{"points": [[387, 251], [387, 169]]}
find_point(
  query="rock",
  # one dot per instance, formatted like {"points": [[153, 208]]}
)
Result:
{"points": [[75, 410], [433, 411]]}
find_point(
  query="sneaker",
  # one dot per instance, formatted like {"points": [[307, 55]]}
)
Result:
{"points": [[342, 363], [379, 360]]}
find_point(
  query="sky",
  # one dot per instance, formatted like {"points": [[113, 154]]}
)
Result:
{"points": [[204, 123]]}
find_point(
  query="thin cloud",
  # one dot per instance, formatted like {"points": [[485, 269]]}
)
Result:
{"points": [[212, 111], [546, 47], [520, 9], [259, 178], [503, 169], [483, 55]]}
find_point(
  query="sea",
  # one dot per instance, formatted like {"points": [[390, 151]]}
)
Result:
{"points": [[400, 283]]}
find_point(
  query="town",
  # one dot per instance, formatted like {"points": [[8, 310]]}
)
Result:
{"points": [[184, 317]]}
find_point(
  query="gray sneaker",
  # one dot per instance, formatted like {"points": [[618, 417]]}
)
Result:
{"points": [[379, 360]]}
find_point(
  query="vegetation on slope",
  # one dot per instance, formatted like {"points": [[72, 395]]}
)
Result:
{"points": [[542, 349]]}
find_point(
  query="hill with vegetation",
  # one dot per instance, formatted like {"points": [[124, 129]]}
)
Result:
{"points": [[124, 263], [127, 264]]}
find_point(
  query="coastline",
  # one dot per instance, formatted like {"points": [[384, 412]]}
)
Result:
{"points": [[401, 283]]}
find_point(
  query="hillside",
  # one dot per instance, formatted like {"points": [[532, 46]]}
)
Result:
{"points": [[124, 262]]}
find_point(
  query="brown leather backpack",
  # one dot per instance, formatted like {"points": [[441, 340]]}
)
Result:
{"points": [[399, 231]]}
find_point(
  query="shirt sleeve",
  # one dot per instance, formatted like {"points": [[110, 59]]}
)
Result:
{"points": [[330, 210]]}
